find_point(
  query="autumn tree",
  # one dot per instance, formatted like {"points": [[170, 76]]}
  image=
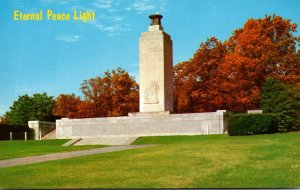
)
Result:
{"points": [[4, 119], [125, 94], [114, 94], [67, 105], [263, 48], [230, 75], [86, 109], [271, 41], [183, 86], [195, 79]]}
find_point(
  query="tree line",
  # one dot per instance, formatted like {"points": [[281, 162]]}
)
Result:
{"points": [[221, 75], [114, 94], [230, 74]]}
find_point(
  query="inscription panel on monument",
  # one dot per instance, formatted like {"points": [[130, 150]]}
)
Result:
{"points": [[151, 93]]}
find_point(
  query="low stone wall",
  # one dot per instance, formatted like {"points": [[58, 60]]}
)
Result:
{"points": [[41, 128], [254, 111], [138, 125]]}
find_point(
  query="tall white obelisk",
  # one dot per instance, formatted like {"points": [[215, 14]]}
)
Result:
{"points": [[156, 68]]}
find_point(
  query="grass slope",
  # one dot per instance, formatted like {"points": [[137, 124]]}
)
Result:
{"points": [[216, 161], [19, 148]]}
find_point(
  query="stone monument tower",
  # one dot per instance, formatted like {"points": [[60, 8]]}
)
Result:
{"points": [[156, 68]]}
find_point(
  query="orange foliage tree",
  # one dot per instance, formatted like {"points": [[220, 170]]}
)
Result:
{"points": [[230, 75], [195, 79], [114, 94], [4, 119], [67, 105], [86, 109]]}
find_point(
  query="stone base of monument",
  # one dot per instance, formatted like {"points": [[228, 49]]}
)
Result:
{"points": [[120, 130], [147, 114]]}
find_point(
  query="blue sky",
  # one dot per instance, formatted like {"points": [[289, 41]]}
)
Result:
{"points": [[55, 57]]}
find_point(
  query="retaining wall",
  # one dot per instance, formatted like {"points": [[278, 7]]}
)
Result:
{"points": [[137, 125], [41, 128]]}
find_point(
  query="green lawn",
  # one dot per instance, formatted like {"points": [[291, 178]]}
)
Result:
{"points": [[215, 161], [20, 148]]}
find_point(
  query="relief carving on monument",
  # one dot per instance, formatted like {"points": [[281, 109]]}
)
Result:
{"points": [[151, 93]]}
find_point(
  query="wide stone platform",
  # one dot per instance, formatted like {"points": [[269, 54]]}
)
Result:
{"points": [[109, 129]]}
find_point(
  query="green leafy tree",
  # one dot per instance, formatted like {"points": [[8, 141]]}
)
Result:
{"points": [[284, 101], [26, 108]]}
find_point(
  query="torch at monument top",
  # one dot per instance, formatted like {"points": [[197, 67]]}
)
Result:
{"points": [[155, 22], [155, 19]]}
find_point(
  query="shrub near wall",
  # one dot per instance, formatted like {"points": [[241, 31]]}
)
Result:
{"points": [[251, 124]]}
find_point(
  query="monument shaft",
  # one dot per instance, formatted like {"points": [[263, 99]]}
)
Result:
{"points": [[156, 69]]}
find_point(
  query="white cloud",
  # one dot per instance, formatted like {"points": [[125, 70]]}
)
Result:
{"points": [[110, 17], [113, 30], [67, 38], [142, 6], [107, 5], [104, 17], [79, 7], [52, 1], [111, 25], [47, 1], [103, 4], [146, 6], [116, 18], [21, 89]]}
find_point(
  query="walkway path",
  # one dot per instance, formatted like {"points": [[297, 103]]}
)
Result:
{"points": [[58, 156]]}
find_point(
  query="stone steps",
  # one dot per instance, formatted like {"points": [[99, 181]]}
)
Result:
{"points": [[106, 141], [71, 142], [50, 135]]}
